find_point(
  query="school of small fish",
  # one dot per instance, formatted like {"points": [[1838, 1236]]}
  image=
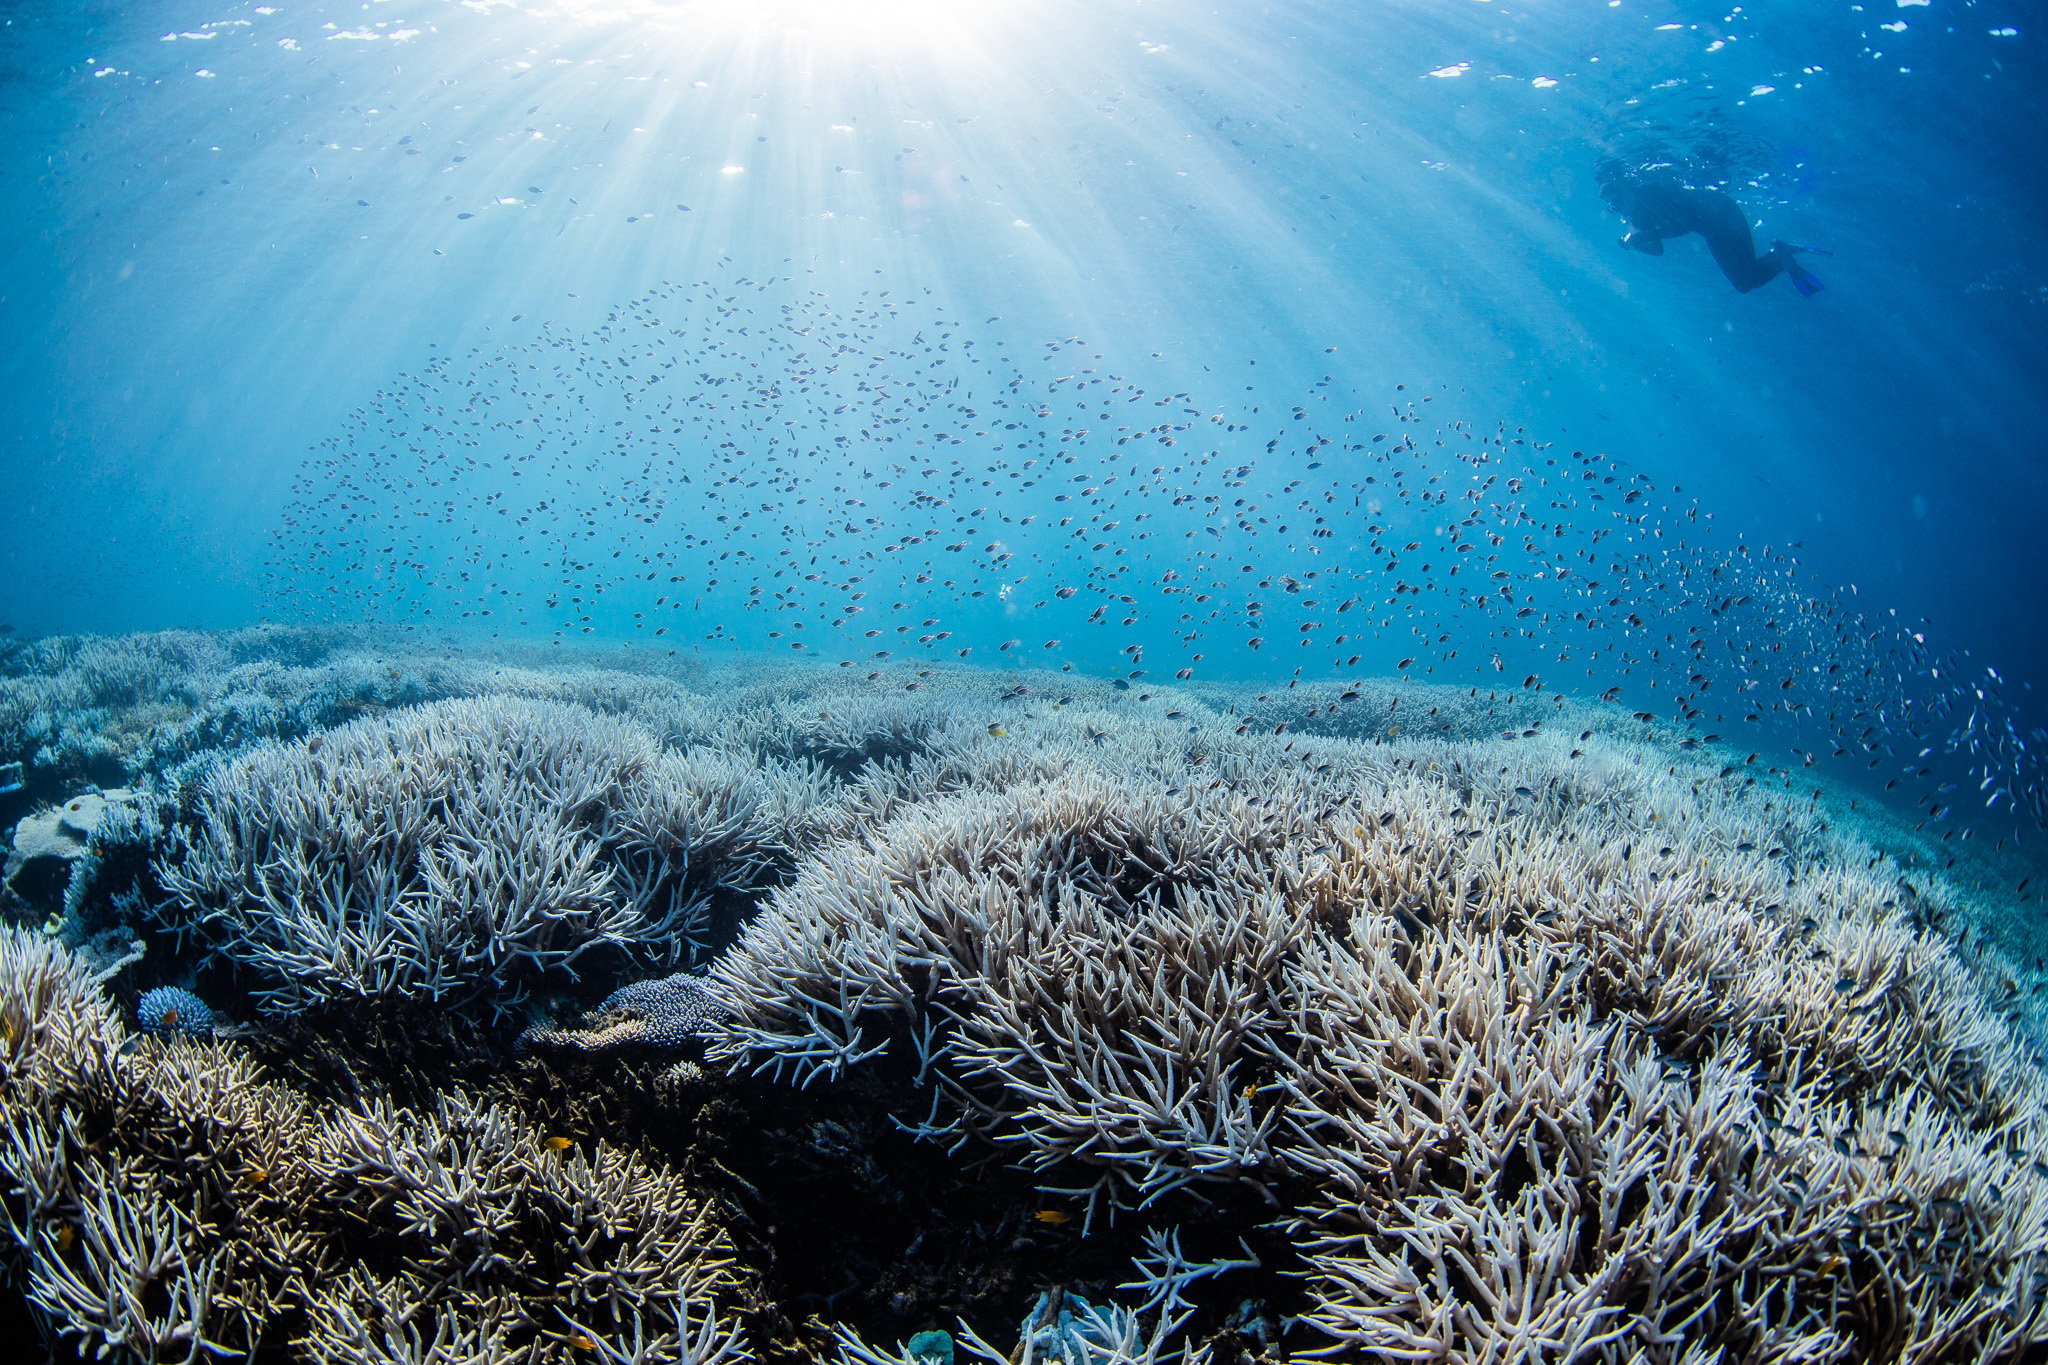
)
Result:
{"points": [[755, 464]]}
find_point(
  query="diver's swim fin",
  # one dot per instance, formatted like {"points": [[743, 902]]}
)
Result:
{"points": [[1805, 281]]}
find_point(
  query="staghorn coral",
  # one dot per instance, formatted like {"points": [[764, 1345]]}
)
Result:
{"points": [[397, 1322], [461, 851], [56, 1027], [1433, 1031], [167, 1201], [1087, 896], [1530, 1056], [139, 1281]]}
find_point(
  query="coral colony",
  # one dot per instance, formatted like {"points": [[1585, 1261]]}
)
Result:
{"points": [[173, 1009], [594, 1011]]}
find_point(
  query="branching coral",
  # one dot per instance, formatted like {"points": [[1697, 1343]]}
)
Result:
{"points": [[139, 1282], [1490, 1043], [1542, 1065], [460, 851], [168, 1201], [57, 1031]]}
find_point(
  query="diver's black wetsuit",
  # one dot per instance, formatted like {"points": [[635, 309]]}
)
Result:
{"points": [[1658, 208]]}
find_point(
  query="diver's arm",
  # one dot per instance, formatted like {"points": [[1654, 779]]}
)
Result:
{"points": [[1644, 242]]}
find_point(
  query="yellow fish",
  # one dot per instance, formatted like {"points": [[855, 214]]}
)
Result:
{"points": [[1051, 1217], [998, 731], [557, 1144]]}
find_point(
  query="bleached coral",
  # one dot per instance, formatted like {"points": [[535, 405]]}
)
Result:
{"points": [[1535, 1058], [140, 1282], [172, 703], [166, 1200], [460, 851], [1491, 1041], [56, 1028]]}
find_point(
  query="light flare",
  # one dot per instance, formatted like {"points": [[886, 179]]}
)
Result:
{"points": [[852, 23]]}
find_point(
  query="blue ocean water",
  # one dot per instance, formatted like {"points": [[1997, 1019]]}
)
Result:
{"points": [[257, 251], [1147, 593]]}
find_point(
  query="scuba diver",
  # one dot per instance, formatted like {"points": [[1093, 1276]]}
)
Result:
{"points": [[1658, 205]]}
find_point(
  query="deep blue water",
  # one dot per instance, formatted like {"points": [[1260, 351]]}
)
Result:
{"points": [[255, 248]]}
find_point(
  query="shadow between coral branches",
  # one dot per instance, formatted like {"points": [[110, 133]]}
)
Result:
{"points": [[843, 1217], [838, 1215]]}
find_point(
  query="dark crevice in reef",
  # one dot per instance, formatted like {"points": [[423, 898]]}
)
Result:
{"points": [[849, 1218], [19, 1324], [851, 762], [839, 1215], [405, 1052], [728, 909]]}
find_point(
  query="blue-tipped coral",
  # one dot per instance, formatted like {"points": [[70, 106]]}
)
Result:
{"points": [[665, 1013], [173, 1009]]}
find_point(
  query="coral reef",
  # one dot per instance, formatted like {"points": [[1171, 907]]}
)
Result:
{"points": [[1084, 1022], [170, 1203], [1527, 1045], [103, 709]]}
